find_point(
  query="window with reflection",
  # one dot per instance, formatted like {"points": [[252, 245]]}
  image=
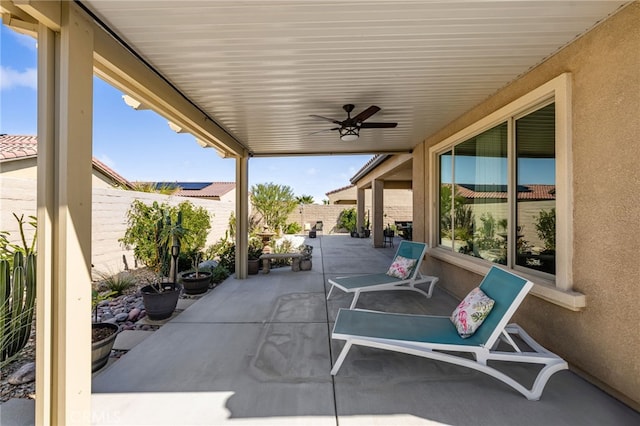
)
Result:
{"points": [[536, 199], [489, 213]]}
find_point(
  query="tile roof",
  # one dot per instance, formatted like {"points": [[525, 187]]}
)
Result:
{"points": [[15, 147], [369, 165], [525, 192], [339, 189]]}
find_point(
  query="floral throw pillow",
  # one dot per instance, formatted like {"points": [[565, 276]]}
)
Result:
{"points": [[471, 312], [401, 267]]}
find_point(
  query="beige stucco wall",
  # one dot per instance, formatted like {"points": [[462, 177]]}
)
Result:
{"points": [[603, 339], [108, 216], [329, 214], [392, 198]]}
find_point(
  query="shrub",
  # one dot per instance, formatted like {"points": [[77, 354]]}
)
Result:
{"points": [[226, 253], [116, 283], [144, 228], [255, 248], [219, 274], [546, 228], [347, 219], [292, 228]]}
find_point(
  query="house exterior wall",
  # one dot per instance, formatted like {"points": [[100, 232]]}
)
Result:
{"points": [[26, 168], [229, 197], [108, 217], [392, 197], [347, 195], [601, 339]]}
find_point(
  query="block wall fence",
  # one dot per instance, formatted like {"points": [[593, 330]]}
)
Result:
{"points": [[109, 221]]}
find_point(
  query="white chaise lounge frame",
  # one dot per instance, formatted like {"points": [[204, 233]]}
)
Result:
{"points": [[383, 282], [429, 336]]}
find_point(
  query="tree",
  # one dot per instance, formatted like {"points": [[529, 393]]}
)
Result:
{"points": [[142, 227], [347, 219], [274, 203], [464, 218], [546, 228], [305, 199]]}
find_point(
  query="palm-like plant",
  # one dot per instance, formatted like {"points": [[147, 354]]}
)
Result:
{"points": [[304, 199]]}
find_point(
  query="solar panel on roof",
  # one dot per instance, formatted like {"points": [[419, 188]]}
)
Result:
{"points": [[190, 186]]}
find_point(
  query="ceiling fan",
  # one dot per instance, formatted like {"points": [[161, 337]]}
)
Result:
{"points": [[349, 129]]}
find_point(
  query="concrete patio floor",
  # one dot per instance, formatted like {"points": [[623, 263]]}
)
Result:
{"points": [[258, 351]]}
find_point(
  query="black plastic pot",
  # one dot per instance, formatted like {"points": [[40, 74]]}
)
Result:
{"points": [[193, 284], [101, 349], [160, 305], [253, 266]]}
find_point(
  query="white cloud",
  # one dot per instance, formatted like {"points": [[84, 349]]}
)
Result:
{"points": [[312, 171], [10, 78], [24, 40]]}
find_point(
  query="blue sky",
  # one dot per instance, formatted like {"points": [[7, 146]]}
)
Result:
{"points": [[139, 144]]}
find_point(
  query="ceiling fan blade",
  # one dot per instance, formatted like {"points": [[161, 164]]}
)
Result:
{"points": [[378, 125], [327, 119], [322, 131], [366, 113]]}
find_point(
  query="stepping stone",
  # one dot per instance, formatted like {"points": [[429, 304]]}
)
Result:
{"points": [[127, 339], [147, 321], [185, 303]]}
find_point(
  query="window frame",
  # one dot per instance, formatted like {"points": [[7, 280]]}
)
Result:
{"points": [[558, 90]]}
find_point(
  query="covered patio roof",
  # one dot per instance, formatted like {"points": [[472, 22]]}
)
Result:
{"points": [[258, 69]]}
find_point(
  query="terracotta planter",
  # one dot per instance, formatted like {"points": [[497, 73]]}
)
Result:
{"points": [[160, 305], [193, 284], [101, 349]]}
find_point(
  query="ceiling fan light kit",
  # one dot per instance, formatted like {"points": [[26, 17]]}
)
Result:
{"points": [[350, 128], [349, 133]]}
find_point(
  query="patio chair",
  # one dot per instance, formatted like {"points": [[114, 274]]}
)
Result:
{"points": [[436, 337], [414, 251]]}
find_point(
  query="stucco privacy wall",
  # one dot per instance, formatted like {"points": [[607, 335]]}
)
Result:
{"points": [[109, 217], [602, 341], [329, 214]]}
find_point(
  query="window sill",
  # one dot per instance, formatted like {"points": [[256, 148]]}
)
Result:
{"points": [[542, 288]]}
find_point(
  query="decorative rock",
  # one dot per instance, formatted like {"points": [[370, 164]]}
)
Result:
{"points": [[25, 374], [111, 321], [122, 316], [106, 315], [208, 264], [133, 314]]}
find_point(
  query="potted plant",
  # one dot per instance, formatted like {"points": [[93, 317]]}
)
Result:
{"points": [[366, 232], [389, 231], [254, 252], [157, 233], [160, 297], [195, 281], [305, 260], [103, 334]]}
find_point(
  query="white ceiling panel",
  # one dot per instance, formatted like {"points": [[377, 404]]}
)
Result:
{"points": [[261, 68]]}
